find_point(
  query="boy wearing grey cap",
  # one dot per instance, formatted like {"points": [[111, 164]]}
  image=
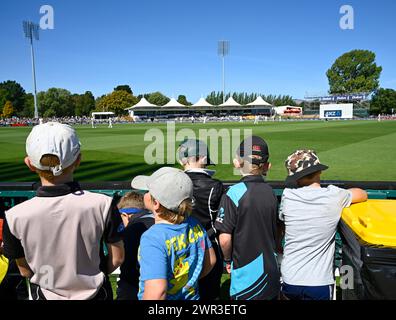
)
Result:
{"points": [[176, 251], [56, 236], [194, 157], [311, 215]]}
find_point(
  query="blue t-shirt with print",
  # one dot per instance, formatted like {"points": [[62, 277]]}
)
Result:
{"points": [[174, 252]]}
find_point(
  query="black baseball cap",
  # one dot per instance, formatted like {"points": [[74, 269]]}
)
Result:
{"points": [[254, 146]]}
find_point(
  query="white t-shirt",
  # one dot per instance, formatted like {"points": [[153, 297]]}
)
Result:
{"points": [[311, 216]]}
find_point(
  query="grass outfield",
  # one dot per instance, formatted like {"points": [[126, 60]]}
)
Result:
{"points": [[354, 150]]}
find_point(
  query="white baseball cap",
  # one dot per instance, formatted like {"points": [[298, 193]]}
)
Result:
{"points": [[170, 186], [56, 139]]}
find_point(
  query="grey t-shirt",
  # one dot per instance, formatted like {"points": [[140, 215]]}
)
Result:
{"points": [[311, 216]]}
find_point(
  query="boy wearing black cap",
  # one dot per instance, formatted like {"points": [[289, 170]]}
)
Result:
{"points": [[311, 215], [247, 226], [193, 155]]}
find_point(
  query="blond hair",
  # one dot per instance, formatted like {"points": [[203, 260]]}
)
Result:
{"points": [[131, 200], [173, 217]]}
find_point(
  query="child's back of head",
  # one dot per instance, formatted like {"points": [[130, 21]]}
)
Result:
{"points": [[53, 151], [252, 156]]}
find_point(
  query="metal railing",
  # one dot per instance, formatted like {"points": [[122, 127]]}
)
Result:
{"points": [[12, 193]]}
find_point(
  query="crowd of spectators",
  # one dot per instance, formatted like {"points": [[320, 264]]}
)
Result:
{"points": [[25, 122]]}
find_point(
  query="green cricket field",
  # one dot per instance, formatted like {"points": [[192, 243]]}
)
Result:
{"points": [[354, 150]]}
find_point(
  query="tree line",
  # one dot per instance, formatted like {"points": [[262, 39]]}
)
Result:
{"points": [[58, 102], [353, 72], [244, 98]]}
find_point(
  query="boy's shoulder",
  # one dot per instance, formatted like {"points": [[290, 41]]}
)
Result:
{"points": [[26, 207], [240, 188], [329, 191], [23, 207], [203, 176]]}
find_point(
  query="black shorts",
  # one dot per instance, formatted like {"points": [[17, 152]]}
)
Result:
{"points": [[105, 292]]}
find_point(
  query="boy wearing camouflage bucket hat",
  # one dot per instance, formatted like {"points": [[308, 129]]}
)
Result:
{"points": [[311, 214]]}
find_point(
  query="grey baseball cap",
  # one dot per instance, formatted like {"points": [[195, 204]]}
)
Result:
{"points": [[170, 186], [194, 148]]}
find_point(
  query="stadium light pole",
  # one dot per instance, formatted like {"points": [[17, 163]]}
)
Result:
{"points": [[223, 50], [31, 31]]}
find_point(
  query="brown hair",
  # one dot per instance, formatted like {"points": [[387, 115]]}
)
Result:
{"points": [[178, 217], [250, 168], [50, 160], [309, 179], [131, 200]]}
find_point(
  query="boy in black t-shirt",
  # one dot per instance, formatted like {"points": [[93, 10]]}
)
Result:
{"points": [[247, 225]]}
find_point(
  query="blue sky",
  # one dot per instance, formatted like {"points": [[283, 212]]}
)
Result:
{"points": [[276, 47]]}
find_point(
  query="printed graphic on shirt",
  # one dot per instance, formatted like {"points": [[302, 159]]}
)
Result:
{"points": [[175, 253]]}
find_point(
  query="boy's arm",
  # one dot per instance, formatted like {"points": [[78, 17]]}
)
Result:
{"points": [[358, 195], [116, 255], [153, 260], [113, 239], [226, 245], [24, 268], [209, 262], [155, 289], [225, 224]]}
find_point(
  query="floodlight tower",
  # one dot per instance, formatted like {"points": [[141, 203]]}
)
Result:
{"points": [[223, 50], [32, 31]]}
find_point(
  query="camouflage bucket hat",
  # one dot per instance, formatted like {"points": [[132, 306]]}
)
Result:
{"points": [[302, 163]]}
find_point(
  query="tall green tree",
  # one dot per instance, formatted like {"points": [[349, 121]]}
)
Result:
{"points": [[83, 103], [56, 102], [12, 91], [157, 98], [28, 106], [116, 102], [383, 101], [183, 100], [354, 72], [124, 87]]}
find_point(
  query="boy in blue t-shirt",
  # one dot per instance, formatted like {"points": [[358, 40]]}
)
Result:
{"points": [[175, 252]]}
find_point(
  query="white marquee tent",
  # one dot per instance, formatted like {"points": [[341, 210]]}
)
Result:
{"points": [[230, 103], [143, 103], [173, 103], [202, 103], [260, 102]]}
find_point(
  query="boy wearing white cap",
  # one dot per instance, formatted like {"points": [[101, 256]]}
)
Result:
{"points": [[56, 236], [176, 251]]}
